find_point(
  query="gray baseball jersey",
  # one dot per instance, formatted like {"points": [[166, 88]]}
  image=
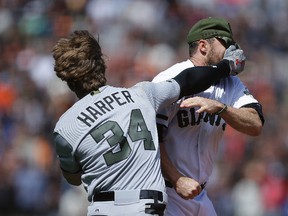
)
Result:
{"points": [[111, 136], [192, 139]]}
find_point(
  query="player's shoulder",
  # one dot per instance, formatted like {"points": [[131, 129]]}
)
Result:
{"points": [[141, 86], [231, 80], [172, 71], [67, 116], [228, 84], [144, 88], [148, 86]]}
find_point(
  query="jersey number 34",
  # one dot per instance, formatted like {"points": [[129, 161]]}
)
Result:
{"points": [[137, 130]]}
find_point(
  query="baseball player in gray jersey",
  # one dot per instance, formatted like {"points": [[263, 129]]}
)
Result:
{"points": [[191, 130], [107, 141]]}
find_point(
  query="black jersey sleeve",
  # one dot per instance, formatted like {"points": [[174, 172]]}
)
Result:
{"points": [[258, 108], [197, 79]]}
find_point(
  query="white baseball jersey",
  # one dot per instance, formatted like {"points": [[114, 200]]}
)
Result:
{"points": [[111, 136], [192, 139]]}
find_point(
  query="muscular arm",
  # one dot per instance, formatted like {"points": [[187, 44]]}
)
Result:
{"points": [[185, 187], [169, 171], [248, 120], [244, 120], [71, 170], [196, 79]]}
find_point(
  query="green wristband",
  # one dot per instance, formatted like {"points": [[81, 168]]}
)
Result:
{"points": [[222, 110]]}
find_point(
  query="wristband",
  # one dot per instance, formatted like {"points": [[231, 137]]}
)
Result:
{"points": [[222, 110]]}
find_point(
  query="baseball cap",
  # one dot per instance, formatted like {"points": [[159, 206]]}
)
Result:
{"points": [[209, 28]]}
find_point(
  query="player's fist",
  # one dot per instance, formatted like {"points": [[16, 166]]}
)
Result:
{"points": [[187, 188], [236, 59]]}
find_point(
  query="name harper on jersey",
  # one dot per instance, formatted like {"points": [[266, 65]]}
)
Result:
{"points": [[188, 117], [104, 105]]}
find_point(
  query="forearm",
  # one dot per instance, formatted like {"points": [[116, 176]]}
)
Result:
{"points": [[185, 187], [197, 79], [244, 120], [169, 171]]}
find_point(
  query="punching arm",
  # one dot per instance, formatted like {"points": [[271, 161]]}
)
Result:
{"points": [[197, 79]]}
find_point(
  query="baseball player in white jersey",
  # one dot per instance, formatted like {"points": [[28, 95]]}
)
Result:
{"points": [[108, 140], [190, 131]]}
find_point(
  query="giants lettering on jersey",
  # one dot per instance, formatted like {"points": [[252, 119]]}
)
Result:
{"points": [[187, 117], [103, 106]]}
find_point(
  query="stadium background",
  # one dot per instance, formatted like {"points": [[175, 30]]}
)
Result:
{"points": [[139, 38]]}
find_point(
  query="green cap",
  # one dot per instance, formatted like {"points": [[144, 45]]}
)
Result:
{"points": [[209, 28]]}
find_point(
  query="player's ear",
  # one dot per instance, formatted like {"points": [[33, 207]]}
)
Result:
{"points": [[203, 46]]}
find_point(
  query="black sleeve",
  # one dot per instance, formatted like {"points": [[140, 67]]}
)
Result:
{"points": [[258, 108], [197, 79]]}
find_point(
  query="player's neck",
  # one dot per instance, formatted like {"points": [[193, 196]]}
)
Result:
{"points": [[197, 61]]}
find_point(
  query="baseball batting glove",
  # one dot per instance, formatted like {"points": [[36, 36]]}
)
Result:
{"points": [[236, 59]]}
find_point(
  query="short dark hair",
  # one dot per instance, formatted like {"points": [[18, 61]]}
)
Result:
{"points": [[79, 61]]}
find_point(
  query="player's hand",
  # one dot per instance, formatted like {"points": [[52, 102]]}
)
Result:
{"points": [[236, 59], [187, 188], [204, 104]]}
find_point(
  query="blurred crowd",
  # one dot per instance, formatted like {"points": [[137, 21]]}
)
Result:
{"points": [[139, 39]]}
